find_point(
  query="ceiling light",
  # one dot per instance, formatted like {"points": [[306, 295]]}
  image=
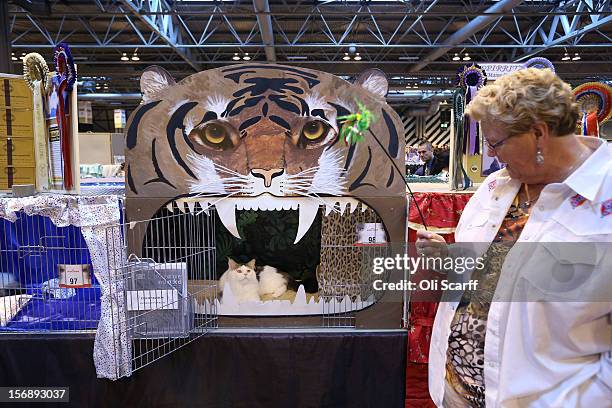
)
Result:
{"points": [[246, 57], [124, 57], [13, 57], [98, 87], [576, 57], [466, 57], [236, 57], [357, 57], [297, 57], [346, 57], [404, 58], [135, 57], [456, 57], [566, 57]]}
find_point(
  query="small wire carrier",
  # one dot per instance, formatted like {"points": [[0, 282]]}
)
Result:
{"points": [[153, 291]]}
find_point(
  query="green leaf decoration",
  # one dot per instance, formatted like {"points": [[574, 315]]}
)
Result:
{"points": [[355, 125], [245, 219]]}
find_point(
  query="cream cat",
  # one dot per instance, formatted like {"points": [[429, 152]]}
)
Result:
{"points": [[274, 282], [242, 279]]}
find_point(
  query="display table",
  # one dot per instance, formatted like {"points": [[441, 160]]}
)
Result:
{"points": [[325, 369]]}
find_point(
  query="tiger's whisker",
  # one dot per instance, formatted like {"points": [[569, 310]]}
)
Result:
{"points": [[221, 168]]}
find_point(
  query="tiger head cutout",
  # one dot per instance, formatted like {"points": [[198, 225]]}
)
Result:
{"points": [[264, 137]]}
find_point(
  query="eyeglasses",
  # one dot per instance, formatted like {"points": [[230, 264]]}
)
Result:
{"points": [[494, 146], [422, 151]]}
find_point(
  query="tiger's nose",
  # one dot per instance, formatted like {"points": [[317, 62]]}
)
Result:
{"points": [[267, 175]]}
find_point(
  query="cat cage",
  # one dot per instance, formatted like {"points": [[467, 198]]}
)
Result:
{"points": [[161, 291], [47, 283], [348, 237]]}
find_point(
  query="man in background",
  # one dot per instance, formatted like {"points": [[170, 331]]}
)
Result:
{"points": [[432, 164]]}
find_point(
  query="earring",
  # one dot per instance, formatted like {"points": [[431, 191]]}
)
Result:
{"points": [[539, 157]]}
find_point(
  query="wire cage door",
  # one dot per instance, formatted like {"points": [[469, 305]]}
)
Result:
{"points": [[162, 281]]}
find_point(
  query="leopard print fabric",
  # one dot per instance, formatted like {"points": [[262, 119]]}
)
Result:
{"points": [[345, 269], [465, 355]]}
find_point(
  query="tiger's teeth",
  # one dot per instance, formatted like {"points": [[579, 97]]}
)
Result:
{"points": [[340, 205], [181, 205], [226, 209], [204, 205], [308, 212], [307, 207], [343, 205], [191, 206], [170, 207]]}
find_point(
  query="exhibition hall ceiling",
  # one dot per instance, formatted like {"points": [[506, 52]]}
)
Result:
{"points": [[419, 44]]}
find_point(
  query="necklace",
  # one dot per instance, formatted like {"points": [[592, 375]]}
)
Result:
{"points": [[526, 205], [527, 202]]}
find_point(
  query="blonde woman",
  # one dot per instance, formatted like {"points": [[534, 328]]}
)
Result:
{"points": [[533, 351]]}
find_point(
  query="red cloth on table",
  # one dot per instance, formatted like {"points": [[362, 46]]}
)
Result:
{"points": [[441, 210], [417, 387]]}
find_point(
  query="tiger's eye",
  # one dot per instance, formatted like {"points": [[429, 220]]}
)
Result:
{"points": [[215, 133], [313, 130]]}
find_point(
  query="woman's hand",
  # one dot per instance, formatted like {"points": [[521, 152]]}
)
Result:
{"points": [[431, 245]]}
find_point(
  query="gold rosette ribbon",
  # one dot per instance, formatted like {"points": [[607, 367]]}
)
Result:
{"points": [[36, 74]]}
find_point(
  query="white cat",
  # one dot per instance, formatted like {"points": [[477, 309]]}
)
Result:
{"points": [[242, 279], [274, 282]]}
